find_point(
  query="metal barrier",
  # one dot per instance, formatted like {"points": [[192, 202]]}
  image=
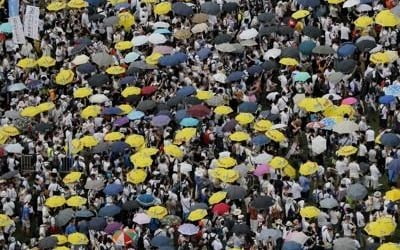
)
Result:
{"points": [[27, 164], [66, 164]]}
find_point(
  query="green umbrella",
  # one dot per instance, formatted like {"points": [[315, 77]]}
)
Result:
{"points": [[301, 76]]}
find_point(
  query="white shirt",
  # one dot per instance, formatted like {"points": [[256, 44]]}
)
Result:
{"points": [[370, 135]]}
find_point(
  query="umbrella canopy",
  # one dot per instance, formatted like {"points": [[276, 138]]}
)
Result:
{"points": [[357, 192], [210, 8], [48, 242], [97, 224], [64, 216], [109, 211], [262, 202], [329, 203], [344, 244], [241, 229], [188, 229]]}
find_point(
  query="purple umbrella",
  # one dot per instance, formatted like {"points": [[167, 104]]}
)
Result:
{"points": [[160, 120], [229, 126], [261, 170], [121, 121], [112, 227]]}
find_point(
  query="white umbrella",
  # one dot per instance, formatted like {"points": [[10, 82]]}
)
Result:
{"points": [[248, 43], [248, 34], [15, 148], [279, 126], [140, 40], [363, 8], [16, 87], [98, 98], [298, 97], [272, 53], [141, 218], [186, 167], [298, 237], [318, 145], [345, 127], [200, 27], [334, 97], [161, 25], [225, 47], [351, 3], [262, 158], [271, 96], [220, 77], [81, 59], [156, 38], [335, 77], [377, 48]]}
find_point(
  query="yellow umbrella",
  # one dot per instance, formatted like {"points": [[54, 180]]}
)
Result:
{"points": [[46, 61], [300, 14], [123, 45], [389, 246], [392, 55], [153, 58], [128, 91], [308, 168], [289, 171], [346, 150], [275, 135], [55, 201], [309, 212], [335, 1], [337, 112], [83, 92], [393, 195], [141, 160], [61, 248], [115, 70], [379, 58], [77, 4], [90, 111], [239, 136], [9, 130], [76, 201], [3, 138], [64, 77], [114, 136], [217, 197], [126, 20], [26, 63], [223, 110], [29, 111], [287, 61], [225, 175], [135, 140], [197, 214], [150, 1], [61, 239], [182, 34], [136, 176], [115, 2], [185, 134], [89, 141], [148, 151], [204, 95], [78, 239], [363, 21], [157, 212], [56, 6], [72, 177], [386, 18], [278, 162], [45, 106], [162, 8], [263, 125], [5, 221], [76, 146], [383, 226], [325, 103], [126, 108], [226, 162], [173, 151], [244, 118], [310, 105]]}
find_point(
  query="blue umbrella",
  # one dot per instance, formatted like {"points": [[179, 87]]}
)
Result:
{"points": [[248, 107], [113, 189], [180, 114], [182, 9], [186, 91], [121, 121], [146, 200], [128, 80], [255, 69], [135, 115], [119, 147], [174, 59], [329, 123], [306, 47], [6, 28], [260, 140], [309, 3], [95, 2], [235, 76], [122, 6], [16, 87], [390, 140], [162, 31], [97, 224], [189, 122], [387, 99], [203, 53], [188, 229], [291, 245], [109, 211], [35, 84], [86, 68], [160, 120], [84, 213], [112, 111], [131, 57], [346, 49], [160, 241], [393, 90]]}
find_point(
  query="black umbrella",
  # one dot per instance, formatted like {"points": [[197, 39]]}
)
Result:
{"points": [[210, 8], [290, 52], [48, 243], [222, 38], [366, 45], [136, 66], [130, 205], [323, 50], [286, 30], [99, 80], [174, 101], [162, 106], [146, 105], [182, 9], [64, 216], [86, 68], [270, 65], [192, 100], [236, 192], [97, 224], [78, 49], [230, 7], [266, 17], [43, 127], [110, 21], [345, 66], [312, 31], [199, 206], [101, 148], [84, 40], [84, 213], [96, 17], [133, 99], [262, 202], [9, 175], [267, 30], [241, 228]]}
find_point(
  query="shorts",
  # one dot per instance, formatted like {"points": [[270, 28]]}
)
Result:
{"points": [[26, 223]]}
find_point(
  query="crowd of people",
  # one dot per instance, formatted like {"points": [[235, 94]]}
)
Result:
{"points": [[201, 125]]}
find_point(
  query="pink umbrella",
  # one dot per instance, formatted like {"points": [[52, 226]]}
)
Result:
{"points": [[261, 170], [163, 49], [315, 125], [350, 101]]}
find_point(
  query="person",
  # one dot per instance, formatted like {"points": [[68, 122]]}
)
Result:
{"points": [[26, 213]]}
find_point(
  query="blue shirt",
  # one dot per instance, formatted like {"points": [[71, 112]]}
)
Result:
{"points": [[304, 183], [70, 229]]}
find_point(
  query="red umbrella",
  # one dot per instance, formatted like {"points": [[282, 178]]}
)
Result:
{"points": [[199, 111], [149, 90], [221, 208]]}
